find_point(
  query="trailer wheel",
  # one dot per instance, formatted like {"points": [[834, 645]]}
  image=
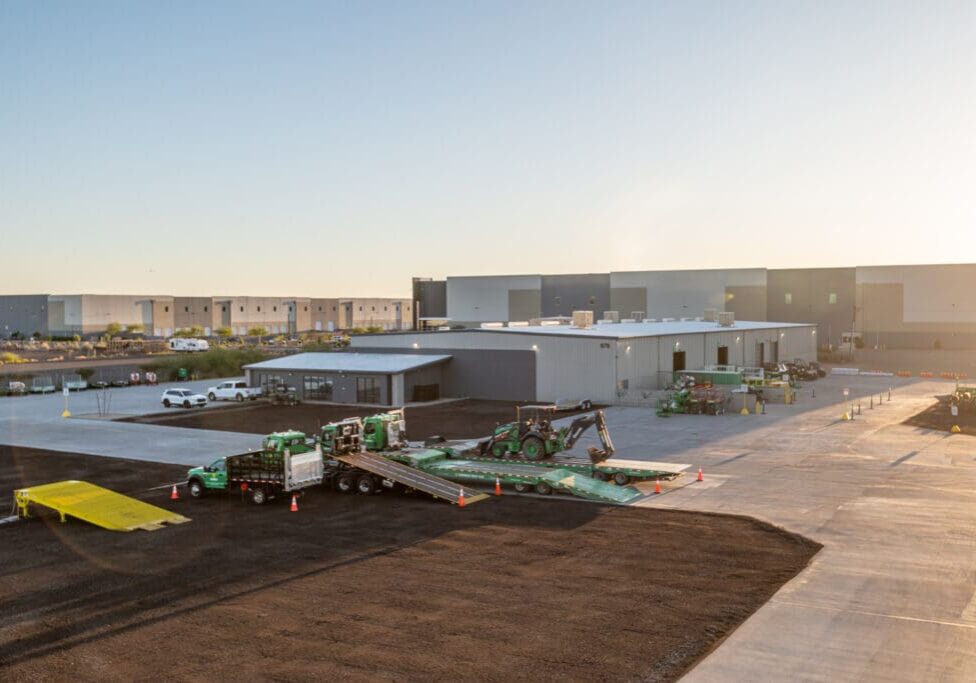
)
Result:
{"points": [[601, 476], [621, 479], [533, 448], [522, 488], [366, 485], [346, 483], [258, 496], [196, 488], [543, 489]]}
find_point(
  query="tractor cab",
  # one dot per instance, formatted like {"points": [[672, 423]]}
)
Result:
{"points": [[292, 441]]}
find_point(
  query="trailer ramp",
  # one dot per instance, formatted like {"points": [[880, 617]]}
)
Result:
{"points": [[590, 488], [409, 476], [96, 505]]}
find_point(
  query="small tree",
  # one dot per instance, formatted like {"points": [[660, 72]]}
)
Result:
{"points": [[224, 332], [113, 329], [258, 332], [136, 328]]}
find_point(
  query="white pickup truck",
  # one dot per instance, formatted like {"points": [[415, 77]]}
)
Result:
{"points": [[233, 390]]}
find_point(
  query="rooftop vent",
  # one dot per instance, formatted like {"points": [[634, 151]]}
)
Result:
{"points": [[518, 323], [491, 326], [638, 316], [711, 315], [726, 318], [611, 316], [583, 319]]}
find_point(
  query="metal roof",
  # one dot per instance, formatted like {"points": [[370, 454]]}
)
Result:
{"points": [[385, 363], [621, 330]]}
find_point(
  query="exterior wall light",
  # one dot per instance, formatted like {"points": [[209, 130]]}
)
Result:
{"points": [[416, 345]]}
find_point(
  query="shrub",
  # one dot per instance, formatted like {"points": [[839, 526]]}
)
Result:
{"points": [[258, 331], [113, 329], [8, 358], [206, 365], [224, 332], [374, 329]]}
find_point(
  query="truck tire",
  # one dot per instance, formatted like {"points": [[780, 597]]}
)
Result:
{"points": [[196, 488], [259, 496], [346, 483], [621, 479], [586, 405], [212, 396], [522, 488], [366, 485], [240, 398], [533, 448], [543, 488], [186, 404], [166, 403]]}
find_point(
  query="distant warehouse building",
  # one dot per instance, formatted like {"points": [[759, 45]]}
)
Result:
{"points": [[385, 379], [605, 363]]}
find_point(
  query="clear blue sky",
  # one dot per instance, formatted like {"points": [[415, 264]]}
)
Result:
{"points": [[200, 147]]}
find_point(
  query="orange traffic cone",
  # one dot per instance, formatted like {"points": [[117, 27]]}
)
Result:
{"points": [[657, 486], [700, 477], [461, 499], [294, 503], [498, 487], [175, 495]]}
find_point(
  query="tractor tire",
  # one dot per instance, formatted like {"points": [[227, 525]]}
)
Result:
{"points": [[196, 488], [240, 398], [600, 476], [186, 404], [522, 488], [259, 496], [346, 483], [211, 396], [621, 479], [366, 485], [533, 448], [166, 403], [498, 450], [543, 489]]}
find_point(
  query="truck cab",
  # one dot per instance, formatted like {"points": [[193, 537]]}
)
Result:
{"points": [[381, 432], [212, 477]]}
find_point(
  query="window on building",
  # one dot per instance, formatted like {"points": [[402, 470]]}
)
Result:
{"points": [[360, 308], [318, 388], [333, 309], [320, 309], [367, 390], [832, 298], [206, 308], [165, 309], [592, 301], [306, 309], [274, 309], [242, 309], [372, 308], [223, 309], [186, 309], [384, 308], [259, 309], [788, 298]]}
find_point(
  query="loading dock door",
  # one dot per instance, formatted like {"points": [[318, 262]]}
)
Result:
{"points": [[723, 355], [760, 354], [774, 352], [678, 361]]}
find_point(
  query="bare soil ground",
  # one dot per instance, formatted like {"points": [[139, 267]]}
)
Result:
{"points": [[366, 588], [938, 416], [453, 420]]}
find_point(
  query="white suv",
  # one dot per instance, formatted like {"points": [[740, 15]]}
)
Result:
{"points": [[183, 397]]}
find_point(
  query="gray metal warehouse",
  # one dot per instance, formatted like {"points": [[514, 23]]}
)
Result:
{"points": [[610, 362], [371, 378]]}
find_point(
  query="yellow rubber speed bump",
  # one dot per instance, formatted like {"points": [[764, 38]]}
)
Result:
{"points": [[96, 505]]}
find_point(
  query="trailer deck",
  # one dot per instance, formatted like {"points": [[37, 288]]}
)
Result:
{"points": [[410, 476]]}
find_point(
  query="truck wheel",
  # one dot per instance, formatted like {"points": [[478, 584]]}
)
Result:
{"points": [[212, 396], [533, 448], [258, 496], [621, 479], [346, 483], [240, 398], [543, 489], [522, 488], [186, 404], [196, 488], [600, 476], [366, 485], [166, 403]]}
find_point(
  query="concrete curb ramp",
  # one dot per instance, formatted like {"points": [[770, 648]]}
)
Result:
{"points": [[96, 505]]}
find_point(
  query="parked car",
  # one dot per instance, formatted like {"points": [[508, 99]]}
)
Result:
{"points": [[43, 384], [13, 389], [97, 384], [183, 397], [181, 344], [233, 390], [74, 382]]}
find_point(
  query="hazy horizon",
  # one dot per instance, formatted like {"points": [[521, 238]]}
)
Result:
{"points": [[203, 149]]}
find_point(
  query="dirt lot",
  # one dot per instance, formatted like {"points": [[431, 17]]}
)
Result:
{"points": [[938, 416], [386, 587], [454, 420]]}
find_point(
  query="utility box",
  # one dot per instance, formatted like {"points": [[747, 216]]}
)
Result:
{"points": [[611, 316], [583, 319]]}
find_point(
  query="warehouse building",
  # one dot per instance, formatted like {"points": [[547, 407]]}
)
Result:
{"points": [[388, 379], [914, 306], [606, 363]]}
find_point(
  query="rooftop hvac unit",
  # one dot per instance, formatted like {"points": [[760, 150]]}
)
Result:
{"points": [[583, 319], [638, 316], [535, 322], [652, 320], [491, 326], [668, 320], [711, 315], [611, 316], [627, 320], [726, 318], [684, 320], [549, 323], [518, 323]]}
